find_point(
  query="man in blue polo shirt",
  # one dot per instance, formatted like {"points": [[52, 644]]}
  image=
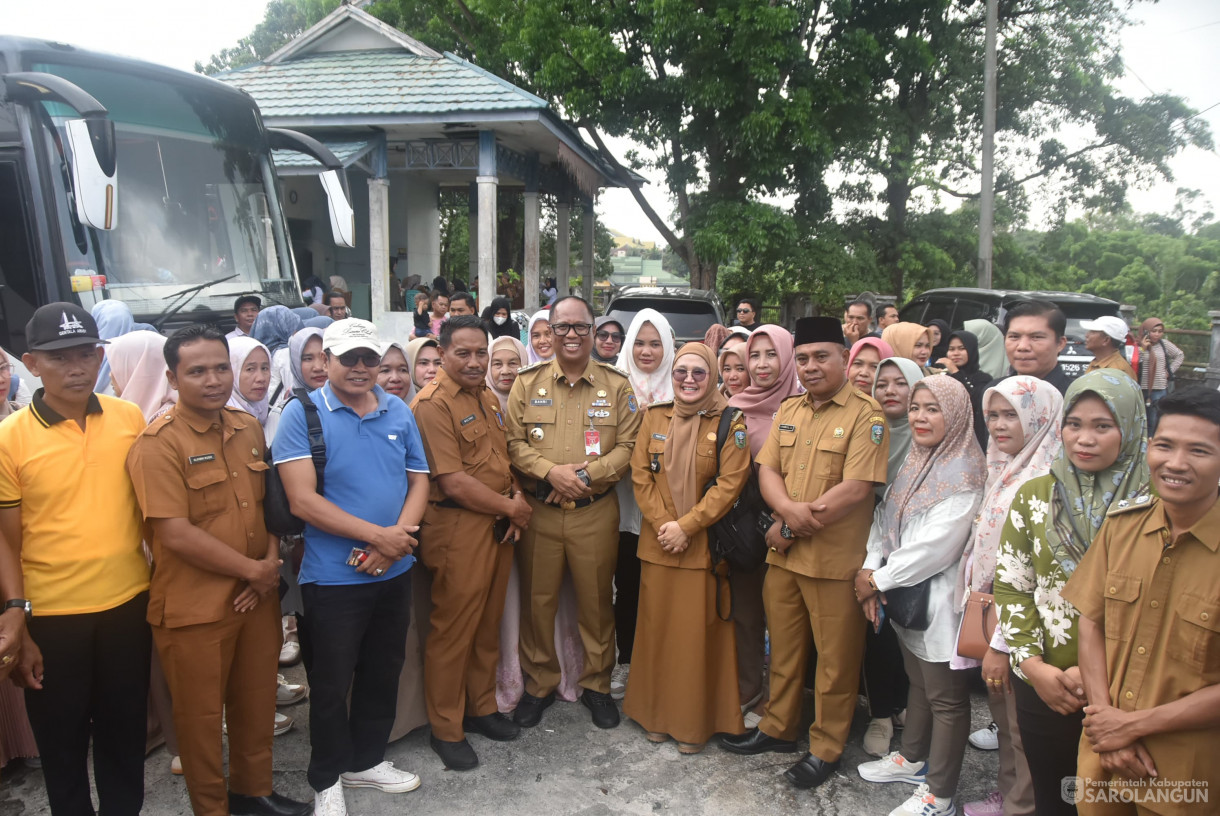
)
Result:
{"points": [[358, 544]]}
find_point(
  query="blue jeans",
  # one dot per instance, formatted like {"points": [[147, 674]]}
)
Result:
{"points": [[1151, 398]]}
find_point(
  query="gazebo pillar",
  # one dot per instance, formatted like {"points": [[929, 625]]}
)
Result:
{"points": [[586, 262], [563, 246], [488, 183], [532, 271]]}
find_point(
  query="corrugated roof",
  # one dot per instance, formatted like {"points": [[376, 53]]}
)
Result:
{"points": [[385, 82]]}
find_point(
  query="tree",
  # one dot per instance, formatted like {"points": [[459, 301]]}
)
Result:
{"points": [[1057, 69], [284, 20], [731, 101]]}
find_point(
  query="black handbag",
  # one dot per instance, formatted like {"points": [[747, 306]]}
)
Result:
{"points": [[740, 536], [277, 512], [908, 606]]}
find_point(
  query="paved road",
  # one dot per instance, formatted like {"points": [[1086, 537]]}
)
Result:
{"points": [[564, 766]]}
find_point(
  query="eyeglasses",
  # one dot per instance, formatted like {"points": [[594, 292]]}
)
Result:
{"points": [[370, 358], [696, 374], [743, 311], [606, 335], [581, 329], [5, 369]]}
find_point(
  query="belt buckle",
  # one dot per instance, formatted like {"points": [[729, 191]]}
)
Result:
{"points": [[568, 505]]}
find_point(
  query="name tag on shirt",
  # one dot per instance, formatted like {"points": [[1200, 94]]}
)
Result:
{"points": [[540, 402], [468, 420], [791, 428], [199, 460]]}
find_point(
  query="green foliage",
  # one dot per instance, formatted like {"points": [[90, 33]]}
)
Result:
{"points": [[284, 20]]}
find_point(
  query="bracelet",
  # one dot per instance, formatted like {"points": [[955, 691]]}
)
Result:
{"points": [[872, 583]]}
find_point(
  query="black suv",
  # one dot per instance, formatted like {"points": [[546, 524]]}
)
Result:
{"points": [[956, 306], [691, 312]]}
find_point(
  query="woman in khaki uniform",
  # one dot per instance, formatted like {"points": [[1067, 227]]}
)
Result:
{"points": [[684, 678]]}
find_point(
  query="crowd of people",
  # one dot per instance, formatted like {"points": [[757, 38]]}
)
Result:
{"points": [[459, 529]]}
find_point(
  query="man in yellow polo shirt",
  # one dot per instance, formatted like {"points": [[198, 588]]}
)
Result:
{"points": [[68, 511]]}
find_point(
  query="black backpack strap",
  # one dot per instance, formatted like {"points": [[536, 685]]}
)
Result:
{"points": [[279, 389], [313, 425], [722, 436]]}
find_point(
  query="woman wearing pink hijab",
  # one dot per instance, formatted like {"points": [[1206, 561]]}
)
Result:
{"points": [[137, 370], [771, 365]]}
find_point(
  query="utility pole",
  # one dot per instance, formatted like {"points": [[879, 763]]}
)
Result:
{"points": [[987, 194]]}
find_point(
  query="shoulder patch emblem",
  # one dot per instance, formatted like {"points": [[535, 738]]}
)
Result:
{"points": [[878, 433], [739, 439], [631, 406]]}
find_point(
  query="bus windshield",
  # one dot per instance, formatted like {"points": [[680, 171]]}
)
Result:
{"points": [[196, 203]]}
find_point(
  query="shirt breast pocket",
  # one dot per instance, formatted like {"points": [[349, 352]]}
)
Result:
{"points": [[607, 427], [540, 426], [1194, 636], [656, 454], [829, 458], [1122, 593], [258, 478], [475, 444], [787, 451], [208, 492]]}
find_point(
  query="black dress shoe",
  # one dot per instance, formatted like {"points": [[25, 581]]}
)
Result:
{"points": [[529, 710], [494, 726], [457, 756], [755, 741], [273, 805], [810, 771], [605, 712]]}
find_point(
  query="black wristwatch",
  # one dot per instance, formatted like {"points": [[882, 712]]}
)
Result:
{"points": [[22, 604], [583, 475], [785, 532]]}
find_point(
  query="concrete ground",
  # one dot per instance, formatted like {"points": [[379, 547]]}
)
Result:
{"points": [[564, 766]]}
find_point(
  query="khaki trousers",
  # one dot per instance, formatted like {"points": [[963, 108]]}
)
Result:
{"points": [[469, 579], [586, 541], [802, 611], [224, 669], [1015, 781]]}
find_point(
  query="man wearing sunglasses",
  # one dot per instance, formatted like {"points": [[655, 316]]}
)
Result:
{"points": [[747, 312], [360, 533], [571, 428]]}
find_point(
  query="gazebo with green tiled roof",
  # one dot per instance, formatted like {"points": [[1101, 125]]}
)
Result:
{"points": [[412, 121]]}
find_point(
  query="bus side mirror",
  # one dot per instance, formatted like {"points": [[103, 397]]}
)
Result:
{"points": [[90, 141], [342, 216], [94, 171]]}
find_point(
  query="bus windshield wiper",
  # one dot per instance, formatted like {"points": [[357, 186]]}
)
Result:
{"points": [[184, 297]]}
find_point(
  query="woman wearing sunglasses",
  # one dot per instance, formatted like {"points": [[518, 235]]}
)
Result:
{"points": [[684, 685]]}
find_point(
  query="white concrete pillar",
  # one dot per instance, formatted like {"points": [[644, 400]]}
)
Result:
{"points": [[488, 182], [563, 247], [379, 246], [586, 262]]}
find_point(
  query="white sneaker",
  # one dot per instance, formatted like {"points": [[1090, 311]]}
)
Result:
{"points": [[923, 803], [893, 767], [986, 739], [287, 694], [384, 777], [330, 802], [290, 652], [283, 724], [878, 735], [618, 680]]}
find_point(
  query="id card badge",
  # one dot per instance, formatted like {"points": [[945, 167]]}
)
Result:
{"points": [[593, 443], [357, 557]]}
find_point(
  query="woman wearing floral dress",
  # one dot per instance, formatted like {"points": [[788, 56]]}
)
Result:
{"points": [[1023, 416], [1053, 520]]}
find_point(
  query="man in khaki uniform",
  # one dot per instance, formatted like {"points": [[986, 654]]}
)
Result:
{"points": [[1148, 593], [572, 425], [462, 428], [198, 473], [827, 451]]}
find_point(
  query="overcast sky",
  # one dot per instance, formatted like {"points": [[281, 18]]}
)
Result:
{"points": [[1171, 49]]}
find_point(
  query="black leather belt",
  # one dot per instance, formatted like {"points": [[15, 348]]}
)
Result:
{"points": [[543, 488]]}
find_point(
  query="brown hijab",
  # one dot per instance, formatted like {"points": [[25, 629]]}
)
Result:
{"points": [[902, 338], [683, 435]]}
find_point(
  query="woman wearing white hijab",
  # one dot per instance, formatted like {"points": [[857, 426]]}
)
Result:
{"points": [[137, 369], [541, 347], [648, 360], [251, 364]]}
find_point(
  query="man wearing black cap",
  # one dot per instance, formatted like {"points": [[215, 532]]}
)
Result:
{"points": [[68, 511], [827, 451], [245, 311]]}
